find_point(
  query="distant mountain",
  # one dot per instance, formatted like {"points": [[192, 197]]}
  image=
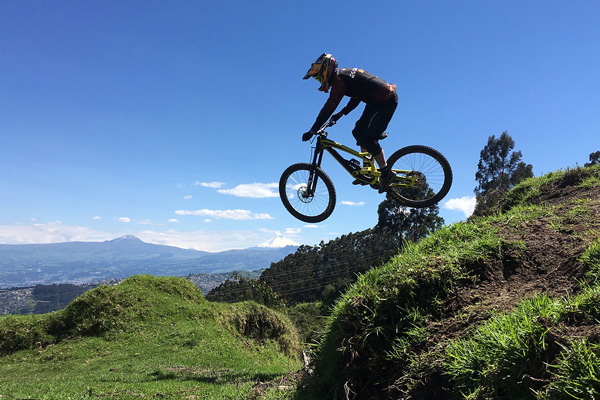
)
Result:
{"points": [[84, 262], [278, 242]]}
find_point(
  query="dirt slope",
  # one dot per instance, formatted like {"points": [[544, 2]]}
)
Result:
{"points": [[553, 243], [388, 336]]}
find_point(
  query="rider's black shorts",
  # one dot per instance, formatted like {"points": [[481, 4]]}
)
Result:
{"points": [[373, 123]]}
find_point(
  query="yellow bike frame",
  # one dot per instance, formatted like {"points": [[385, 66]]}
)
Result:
{"points": [[367, 172]]}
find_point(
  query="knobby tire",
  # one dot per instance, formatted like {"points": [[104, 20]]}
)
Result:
{"points": [[293, 185], [431, 165]]}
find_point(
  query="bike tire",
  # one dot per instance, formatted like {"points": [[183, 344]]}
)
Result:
{"points": [[292, 186], [430, 164]]}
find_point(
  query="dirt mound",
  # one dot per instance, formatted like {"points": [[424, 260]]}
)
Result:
{"points": [[548, 260], [545, 260], [391, 333]]}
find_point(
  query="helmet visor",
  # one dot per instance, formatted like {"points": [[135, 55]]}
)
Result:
{"points": [[312, 71]]}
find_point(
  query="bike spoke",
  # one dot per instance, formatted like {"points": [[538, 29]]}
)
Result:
{"points": [[296, 191], [426, 167], [431, 171]]}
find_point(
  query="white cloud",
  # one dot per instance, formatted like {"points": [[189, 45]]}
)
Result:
{"points": [[188, 197], [148, 221], [96, 218], [51, 232], [124, 219], [225, 214], [214, 185], [352, 203], [465, 204], [173, 220], [254, 190]]}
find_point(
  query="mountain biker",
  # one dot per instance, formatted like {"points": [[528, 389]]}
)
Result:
{"points": [[379, 96]]}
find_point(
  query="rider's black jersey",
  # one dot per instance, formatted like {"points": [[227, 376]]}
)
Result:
{"points": [[362, 85], [359, 85]]}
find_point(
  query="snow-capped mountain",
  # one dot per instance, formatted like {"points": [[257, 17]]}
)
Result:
{"points": [[278, 242]]}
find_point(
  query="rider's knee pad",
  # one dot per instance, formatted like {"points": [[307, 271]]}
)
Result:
{"points": [[372, 146], [366, 141], [375, 149]]}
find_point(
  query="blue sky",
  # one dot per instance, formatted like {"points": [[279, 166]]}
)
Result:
{"points": [[173, 120]]}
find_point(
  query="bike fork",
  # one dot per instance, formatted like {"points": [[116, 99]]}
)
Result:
{"points": [[311, 186]]}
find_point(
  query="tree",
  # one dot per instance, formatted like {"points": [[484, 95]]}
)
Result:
{"points": [[314, 273], [594, 159], [499, 169], [321, 273], [240, 288], [411, 224]]}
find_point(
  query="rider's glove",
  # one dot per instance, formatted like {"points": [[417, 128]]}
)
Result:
{"points": [[307, 136], [337, 116]]}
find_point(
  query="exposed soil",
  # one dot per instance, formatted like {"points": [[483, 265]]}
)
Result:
{"points": [[549, 264]]}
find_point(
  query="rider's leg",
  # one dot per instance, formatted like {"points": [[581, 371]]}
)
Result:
{"points": [[369, 129], [379, 158]]}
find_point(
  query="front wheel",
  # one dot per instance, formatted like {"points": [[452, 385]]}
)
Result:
{"points": [[423, 176], [307, 192]]}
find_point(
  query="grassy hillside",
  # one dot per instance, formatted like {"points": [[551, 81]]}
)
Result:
{"points": [[504, 307], [145, 338]]}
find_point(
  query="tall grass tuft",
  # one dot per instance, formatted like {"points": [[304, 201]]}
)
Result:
{"points": [[577, 374], [591, 260], [501, 357]]}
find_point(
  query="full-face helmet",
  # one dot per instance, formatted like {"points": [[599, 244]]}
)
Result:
{"points": [[322, 70]]}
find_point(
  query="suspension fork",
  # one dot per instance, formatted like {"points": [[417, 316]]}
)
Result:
{"points": [[311, 186]]}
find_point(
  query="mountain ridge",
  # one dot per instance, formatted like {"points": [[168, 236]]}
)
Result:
{"points": [[86, 262]]}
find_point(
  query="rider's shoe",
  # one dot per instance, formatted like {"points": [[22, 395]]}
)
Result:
{"points": [[363, 180], [387, 177]]}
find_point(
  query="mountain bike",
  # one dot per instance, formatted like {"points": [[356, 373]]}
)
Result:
{"points": [[423, 178]]}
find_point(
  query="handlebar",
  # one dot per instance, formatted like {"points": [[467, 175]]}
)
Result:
{"points": [[329, 123]]}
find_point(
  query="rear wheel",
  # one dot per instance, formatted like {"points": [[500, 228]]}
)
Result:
{"points": [[311, 206], [430, 170]]}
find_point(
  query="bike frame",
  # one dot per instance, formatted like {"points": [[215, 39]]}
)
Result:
{"points": [[356, 171], [324, 144]]}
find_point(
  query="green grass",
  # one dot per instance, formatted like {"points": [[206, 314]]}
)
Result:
{"points": [[378, 329], [159, 338], [507, 357], [380, 322], [498, 356], [147, 337], [530, 190], [591, 259], [577, 373]]}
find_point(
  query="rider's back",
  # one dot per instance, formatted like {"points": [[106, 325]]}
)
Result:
{"points": [[369, 88]]}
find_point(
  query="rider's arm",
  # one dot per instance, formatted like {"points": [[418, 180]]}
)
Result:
{"points": [[352, 104], [338, 90]]}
